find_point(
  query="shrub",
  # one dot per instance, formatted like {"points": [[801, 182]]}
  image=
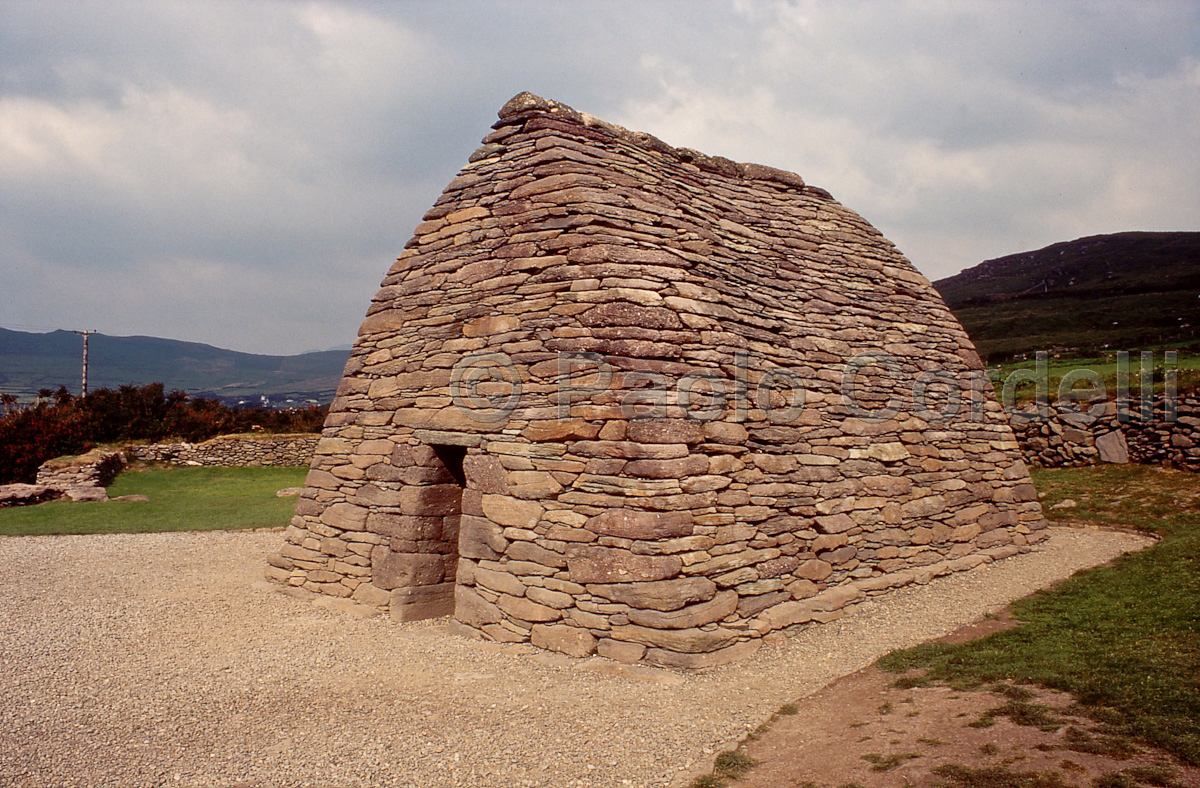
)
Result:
{"points": [[58, 423]]}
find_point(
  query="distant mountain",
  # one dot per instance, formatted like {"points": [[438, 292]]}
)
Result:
{"points": [[29, 362], [1121, 292]]}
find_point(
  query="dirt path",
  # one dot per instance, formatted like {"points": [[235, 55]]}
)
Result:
{"points": [[862, 730], [162, 660]]}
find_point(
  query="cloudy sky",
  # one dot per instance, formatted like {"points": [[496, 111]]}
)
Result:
{"points": [[243, 173]]}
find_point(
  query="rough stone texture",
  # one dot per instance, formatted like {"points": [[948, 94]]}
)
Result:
{"points": [[654, 404], [81, 478], [1113, 447], [1160, 431], [230, 451], [27, 494]]}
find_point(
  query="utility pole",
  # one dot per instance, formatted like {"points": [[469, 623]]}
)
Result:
{"points": [[85, 334]]}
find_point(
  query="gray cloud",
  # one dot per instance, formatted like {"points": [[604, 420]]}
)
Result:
{"points": [[244, 173]]}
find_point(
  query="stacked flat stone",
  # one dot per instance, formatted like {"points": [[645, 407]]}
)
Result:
{"points": [[616, 514], [82, 478], [228, 451], [1070, 434]]}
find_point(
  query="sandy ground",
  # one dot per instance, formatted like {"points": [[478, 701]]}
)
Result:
{"points": [[862, 730], [164, 660]]}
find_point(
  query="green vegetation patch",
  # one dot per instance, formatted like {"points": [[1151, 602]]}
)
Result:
{"points": [[1081, 325], [181, 499], [734, 764], [60, 423], [1035, 715], [730, 765], [1105, 366], [885, 763], [1123, 639], [1079, 740], [958, 776]]}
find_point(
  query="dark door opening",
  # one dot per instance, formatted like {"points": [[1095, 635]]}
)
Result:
{"points": [[452, 459]]}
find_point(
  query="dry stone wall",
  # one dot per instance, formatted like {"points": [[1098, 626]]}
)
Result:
{"points": [[1158, 432], [82, 478], [231, 451], [598, 405]]}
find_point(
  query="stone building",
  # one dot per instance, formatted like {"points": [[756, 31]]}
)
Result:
{"points": [[622, 398]]}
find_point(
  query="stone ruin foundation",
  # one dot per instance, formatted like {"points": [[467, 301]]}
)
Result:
{"points": [[622, 398]]}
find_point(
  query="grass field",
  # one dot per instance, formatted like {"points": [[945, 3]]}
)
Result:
{"points": [[1123, 639], [1186, 367], [181, 499]]}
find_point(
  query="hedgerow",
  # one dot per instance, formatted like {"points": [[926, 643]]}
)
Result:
{"points": [[59, 423]]}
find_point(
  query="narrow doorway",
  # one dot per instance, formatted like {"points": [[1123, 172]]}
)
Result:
{"points": [[452, 458], [422, 564]]}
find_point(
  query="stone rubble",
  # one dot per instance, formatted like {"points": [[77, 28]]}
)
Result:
{"points": [[27, 494], [671, 497]]}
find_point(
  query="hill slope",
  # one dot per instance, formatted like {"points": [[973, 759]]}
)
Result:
{"points": [[1122, 291], [29, 362]]}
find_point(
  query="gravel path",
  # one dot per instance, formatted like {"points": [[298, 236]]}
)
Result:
{"points": [[162, 659]]}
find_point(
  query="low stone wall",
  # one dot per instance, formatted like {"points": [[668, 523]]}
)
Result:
{"points": [[82, 478], [231, 451], [1067, 434]]}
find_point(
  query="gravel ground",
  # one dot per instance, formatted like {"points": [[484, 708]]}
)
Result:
{"points": [[163, 659]]}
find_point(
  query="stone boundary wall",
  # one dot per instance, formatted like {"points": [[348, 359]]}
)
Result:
{"points": [[84, 478], [1067, 434], [233, 451]]}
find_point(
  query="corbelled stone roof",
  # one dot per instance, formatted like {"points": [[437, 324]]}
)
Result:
{"points": [[625, 398], [526, 105]]}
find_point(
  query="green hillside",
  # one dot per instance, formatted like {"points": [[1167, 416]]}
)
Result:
{"points": [[1117, 292], [29, 362]]}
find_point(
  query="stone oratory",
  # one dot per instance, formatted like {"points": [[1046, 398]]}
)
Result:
{"points": [[617, 397]]}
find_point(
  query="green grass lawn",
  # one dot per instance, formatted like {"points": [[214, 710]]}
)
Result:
{"points": [[181, 499], [1187, 373], [1124, 639]]}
